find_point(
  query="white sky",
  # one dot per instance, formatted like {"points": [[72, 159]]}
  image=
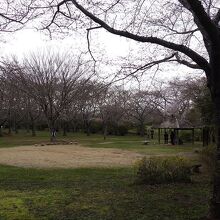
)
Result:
{"points": [[24, 41], [103, 44]]}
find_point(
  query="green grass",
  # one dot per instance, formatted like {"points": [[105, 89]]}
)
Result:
{"points": [[128, 142], [95, 194], [22, 138]]}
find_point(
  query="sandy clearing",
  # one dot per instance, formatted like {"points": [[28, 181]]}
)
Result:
{"points": [[66, 156]]}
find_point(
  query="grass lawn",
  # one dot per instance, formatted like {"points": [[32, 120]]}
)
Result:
{"points": [[129, 142], [97, 194]]}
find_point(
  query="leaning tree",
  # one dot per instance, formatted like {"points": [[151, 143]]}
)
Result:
{"points": [[188, 30]]}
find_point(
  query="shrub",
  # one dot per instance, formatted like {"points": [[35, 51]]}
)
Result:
{"points": [[96, 127], [122, 130], [157, 170], [207, 156]]}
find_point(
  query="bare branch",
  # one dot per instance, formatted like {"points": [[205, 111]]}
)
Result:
{"points": [[154, 40], [12, 19], [151, 64], [186, 63], [88, 41], [57, 12]]}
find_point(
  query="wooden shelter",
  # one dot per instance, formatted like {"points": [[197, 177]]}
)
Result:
{"points": [[162, 130], [173, 125]]}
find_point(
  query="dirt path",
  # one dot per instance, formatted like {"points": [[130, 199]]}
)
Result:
{"points": [[66, 156]]}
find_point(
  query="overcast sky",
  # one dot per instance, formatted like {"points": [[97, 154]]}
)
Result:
{"points": [[28, 40], [103, 44]]}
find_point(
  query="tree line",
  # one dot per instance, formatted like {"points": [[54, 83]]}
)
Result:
{"points": [[51, 92]]}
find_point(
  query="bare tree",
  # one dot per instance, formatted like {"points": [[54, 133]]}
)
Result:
{"points": [[178, 97], [189, 29], [52, 82], [88, 103], [12, 108], [141, 107], [33, 112], [182, 97], [119, 107], [112, 107], [3, 103], [16, 111]]}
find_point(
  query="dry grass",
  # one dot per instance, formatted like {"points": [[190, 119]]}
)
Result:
{"points": [[66, 156]]}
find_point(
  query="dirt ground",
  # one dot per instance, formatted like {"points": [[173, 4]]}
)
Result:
{"points": [[66, 156]]}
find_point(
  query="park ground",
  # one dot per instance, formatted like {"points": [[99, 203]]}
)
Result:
{"points": [[92, 179]]}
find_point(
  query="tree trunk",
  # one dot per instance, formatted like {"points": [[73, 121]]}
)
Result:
{"points": [[74, 127], [27, 128], [142, 129], [33, 131], [105, 131], [52, 131], [215, 201], [9, 129], [1, 134], [15, 128], [64, 129], [117, 132], [88, 129]]}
